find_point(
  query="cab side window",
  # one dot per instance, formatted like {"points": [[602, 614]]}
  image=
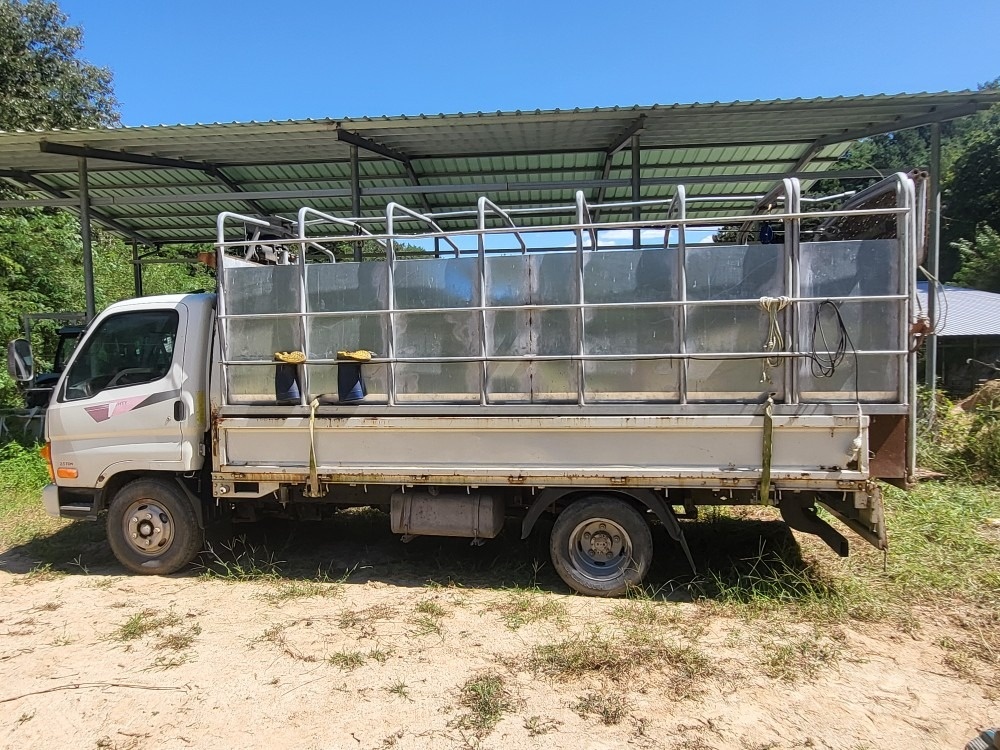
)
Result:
{"points": [[126, 349]]}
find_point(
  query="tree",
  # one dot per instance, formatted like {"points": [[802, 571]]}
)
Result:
{"points": [[980, 260], [43, 82]]}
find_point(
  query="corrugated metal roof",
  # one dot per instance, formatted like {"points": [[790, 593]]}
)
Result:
{"points": [[964, 312], [522, 157]]}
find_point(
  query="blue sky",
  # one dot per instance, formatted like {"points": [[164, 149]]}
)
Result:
{"points": [[223, 60]]}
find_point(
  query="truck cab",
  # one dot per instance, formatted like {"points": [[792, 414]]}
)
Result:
{"points": [[131, 401]]}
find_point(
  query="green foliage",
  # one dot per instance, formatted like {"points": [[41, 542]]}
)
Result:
{"points": [[980, 257], [41, 270], [43, 83], [940, 541], [22, 470]]}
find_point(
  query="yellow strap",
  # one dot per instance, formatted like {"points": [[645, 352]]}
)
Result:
{"points": [[313, 489], [766, 448]]}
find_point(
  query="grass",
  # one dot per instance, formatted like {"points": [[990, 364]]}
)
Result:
{"points": [[799, 659], [939, 543], [400, 689], [346, 660], [24, 523], [239, 560], [520, 607], [143, 623], [539, 725], [486, 699], [610, 708], [631, 655]]}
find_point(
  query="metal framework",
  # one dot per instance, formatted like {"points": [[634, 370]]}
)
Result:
{"points": [[166, 184]]}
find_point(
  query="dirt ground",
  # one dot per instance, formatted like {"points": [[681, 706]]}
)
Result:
{"points": [[436, 645]]}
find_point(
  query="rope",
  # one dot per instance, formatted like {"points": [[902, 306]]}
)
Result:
{"points": [[775, 339]]}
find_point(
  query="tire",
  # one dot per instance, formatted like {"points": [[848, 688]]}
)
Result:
{"points": [[601, 546], [152, 528]]}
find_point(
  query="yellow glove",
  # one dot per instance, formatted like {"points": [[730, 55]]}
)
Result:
{"points": [[291, 358], [361, 355]]}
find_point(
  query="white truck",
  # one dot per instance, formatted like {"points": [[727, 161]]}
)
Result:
{"points": [[612, 388]]}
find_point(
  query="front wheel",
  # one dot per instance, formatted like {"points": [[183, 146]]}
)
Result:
{"points": [[152, 528], [601, 546]]}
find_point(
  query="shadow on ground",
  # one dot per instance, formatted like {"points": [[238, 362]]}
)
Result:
{"points": [[358, 546]]}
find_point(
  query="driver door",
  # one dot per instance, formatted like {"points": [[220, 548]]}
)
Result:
{"points": [[119, 401]]}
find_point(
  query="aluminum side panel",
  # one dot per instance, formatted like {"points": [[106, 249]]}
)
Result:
{"points": [[561, 450]]}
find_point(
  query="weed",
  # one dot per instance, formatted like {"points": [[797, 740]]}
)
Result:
{"points": [[41, 572], [171, 661], [241, 561], [287, 590], [623, 658], [425, 625], [180, 640], [431, 608], [400, 689], [276, 636], [48, 607], [539, 725], [379, 654], [611, 708], [365, 619], [487, 699], [799, 659], [524, 606], [142, 623], [346, 660], [25, 717], [78, 563], [645, 613], [62, 640]]}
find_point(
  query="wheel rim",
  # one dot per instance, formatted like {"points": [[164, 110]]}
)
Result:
{"points": [[148, 528], [600, 548]]}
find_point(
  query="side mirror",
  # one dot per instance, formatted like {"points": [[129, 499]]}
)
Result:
{"points": [[20, 364]]}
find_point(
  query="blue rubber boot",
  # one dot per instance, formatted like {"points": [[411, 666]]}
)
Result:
{"points": [[988, 739]]}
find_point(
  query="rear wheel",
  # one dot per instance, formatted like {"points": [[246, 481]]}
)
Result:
{"points": [[601, 546], [152, 528]]}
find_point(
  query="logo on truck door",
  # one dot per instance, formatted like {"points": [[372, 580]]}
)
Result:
{"points": [[104, 412]]}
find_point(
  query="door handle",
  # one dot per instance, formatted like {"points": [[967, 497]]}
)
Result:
{"points": [[178, 411]]}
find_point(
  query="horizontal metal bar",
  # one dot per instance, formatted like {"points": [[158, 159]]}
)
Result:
{"points": [[715, 356], [492, 187], [561, 306], [123, 156], [233, 411]]}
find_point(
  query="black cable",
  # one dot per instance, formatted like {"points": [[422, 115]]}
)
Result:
{"points": [[825, 365]]}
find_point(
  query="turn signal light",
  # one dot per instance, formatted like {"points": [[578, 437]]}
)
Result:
{"points": [[64, 472], [46, 453]]}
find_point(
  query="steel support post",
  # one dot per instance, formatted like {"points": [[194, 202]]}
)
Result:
{"points": [[88, 256], [136, 269], [356, 197], [933, 258], [636, 193]]}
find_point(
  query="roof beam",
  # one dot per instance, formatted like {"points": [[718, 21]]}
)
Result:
{"points": [[369, 145], [390, 153], [483, 187], [917, 121], [637, 126], [623, 139], [807, 156], [24, 180], [129, 157]]}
